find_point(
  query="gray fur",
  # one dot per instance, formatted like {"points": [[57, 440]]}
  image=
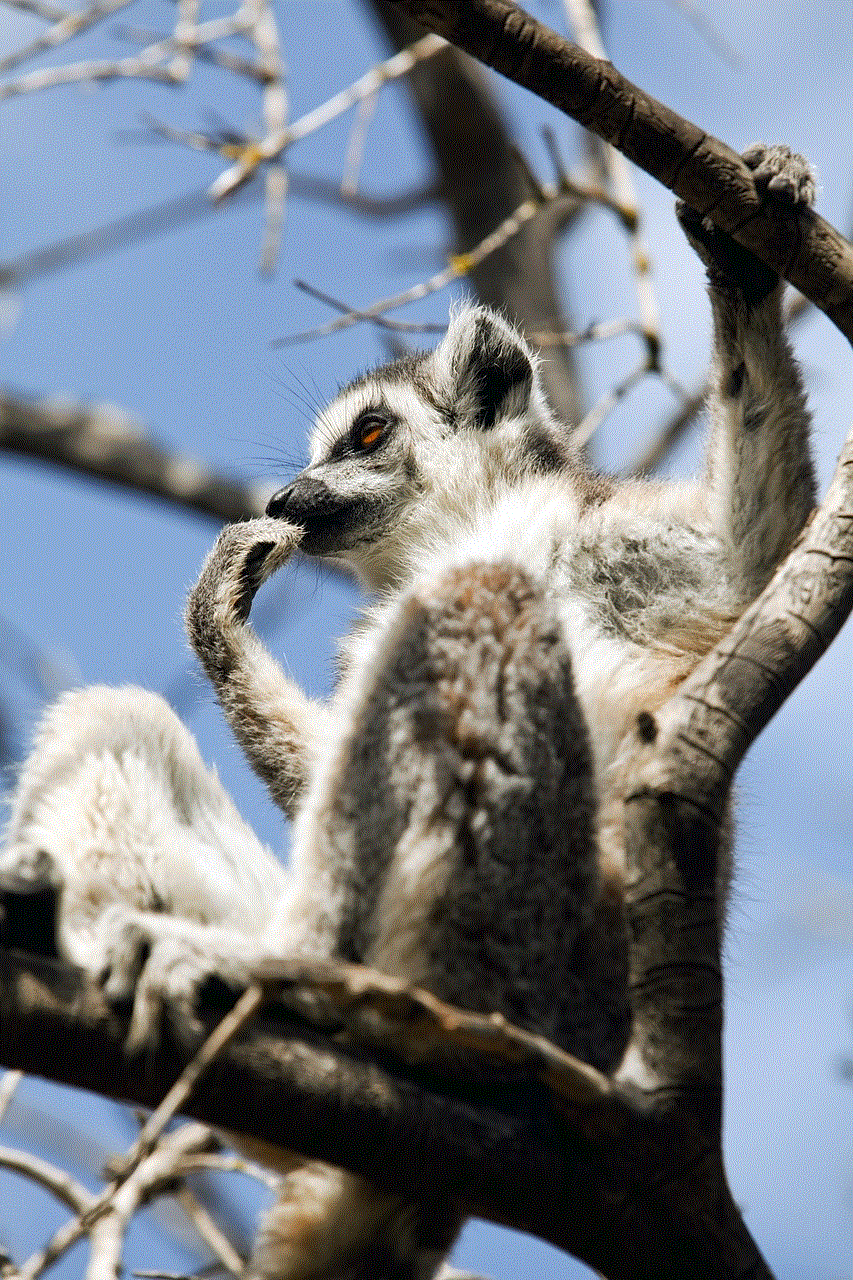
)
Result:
{"points": [[459, 806]]}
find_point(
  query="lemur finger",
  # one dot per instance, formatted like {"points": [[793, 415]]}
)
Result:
{"points": [[780, 172], [242, 558]]}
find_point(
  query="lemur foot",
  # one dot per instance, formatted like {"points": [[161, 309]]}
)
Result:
{"points": [[240, 561], [160, 963], [780, 175]]}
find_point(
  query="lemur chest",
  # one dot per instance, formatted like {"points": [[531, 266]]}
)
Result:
{"points": [[640, 602]]}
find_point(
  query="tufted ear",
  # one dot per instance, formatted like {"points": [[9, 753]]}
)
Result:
{"points": [[488, 368]]}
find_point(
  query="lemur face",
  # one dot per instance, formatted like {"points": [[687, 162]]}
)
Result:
{"points": [[421, 431], [364, 463]]}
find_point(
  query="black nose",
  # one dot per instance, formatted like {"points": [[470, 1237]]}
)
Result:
{"points": [[278, 503], [306, 501]]}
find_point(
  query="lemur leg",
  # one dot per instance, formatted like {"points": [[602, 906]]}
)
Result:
{"points": [[115, 806], [761, 479], [453, 826], [274, 722]]}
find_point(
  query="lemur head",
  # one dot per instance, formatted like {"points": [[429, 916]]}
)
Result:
{"points": [[415, 443]]}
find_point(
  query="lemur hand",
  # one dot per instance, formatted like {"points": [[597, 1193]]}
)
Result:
{"points": [[240, 561], [779, 175]]}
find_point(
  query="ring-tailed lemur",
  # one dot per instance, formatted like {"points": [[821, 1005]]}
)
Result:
{"points": [[458, 806]]}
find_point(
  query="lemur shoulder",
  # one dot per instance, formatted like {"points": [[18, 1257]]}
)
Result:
{"points": [[458, 804]]}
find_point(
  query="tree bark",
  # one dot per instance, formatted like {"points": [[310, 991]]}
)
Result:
{"points": [[482, 183], [698, 168], [639, 1196]]}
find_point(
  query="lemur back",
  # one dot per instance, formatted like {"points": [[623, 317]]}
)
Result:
{"points": [[458, 805]]}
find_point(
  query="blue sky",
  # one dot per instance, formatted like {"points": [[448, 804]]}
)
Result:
{"points": [[177, 332]]}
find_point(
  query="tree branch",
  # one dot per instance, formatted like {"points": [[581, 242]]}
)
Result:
{"points": [[681, 775], [636, 1194], [104, 443], [698, 168], [483, 183]]}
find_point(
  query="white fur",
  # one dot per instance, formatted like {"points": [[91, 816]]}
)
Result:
{"points": [[642, 579]]}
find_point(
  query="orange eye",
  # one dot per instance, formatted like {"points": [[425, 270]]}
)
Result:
{"points": [[371, 432]]}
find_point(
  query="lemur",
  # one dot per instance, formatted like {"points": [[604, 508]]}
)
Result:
{"points": [[458, 803]]}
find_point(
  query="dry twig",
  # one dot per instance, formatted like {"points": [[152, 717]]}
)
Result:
{"points": [[460, 264]]}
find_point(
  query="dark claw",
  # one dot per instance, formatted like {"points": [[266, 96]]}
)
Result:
{"points": [[251, 577]]}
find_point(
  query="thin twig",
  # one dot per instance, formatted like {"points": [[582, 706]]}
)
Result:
{"points": [[584, 22], [64, 28], [198, 40], [276, 110], [215, 1239], [590, 423], [362, 121], [594, 332], [185, 26], [222, 1162], [140, 68], [126, 1169], [233, 1022], [59, 1183], [382, 322], [119, 1200], [463, 263], [270, 147], [698, 19], [49, 12], [11, 1079]]}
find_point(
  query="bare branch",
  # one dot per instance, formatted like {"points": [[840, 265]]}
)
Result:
{"points": [[216, 1162], [365, 111], [106, 1216], [8, 1086], [589, 424], [482, 1126], [215, 1239], [666, 439], [221, 1036], [64, 28], [582, 17], [682, 772], [382, 322], [196, 39], [49, 12], [482, 184], [264, 34], [59, 1183], [461, 264], [102, 442], [185, 28], [146, 67], [270, 147], [700, 169]]}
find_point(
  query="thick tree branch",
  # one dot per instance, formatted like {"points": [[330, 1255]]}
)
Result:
{"points": [[700, 169], [634, 1193], [103, 443], [682, 773]]}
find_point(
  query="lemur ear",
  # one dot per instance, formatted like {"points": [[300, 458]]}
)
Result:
{"points": [[489, 368]]}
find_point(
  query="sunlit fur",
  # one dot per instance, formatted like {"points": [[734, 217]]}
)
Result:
{"points": [[458, 805]]}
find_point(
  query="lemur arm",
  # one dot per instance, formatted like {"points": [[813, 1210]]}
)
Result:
{"points": [[761, 481], [274, 722]]}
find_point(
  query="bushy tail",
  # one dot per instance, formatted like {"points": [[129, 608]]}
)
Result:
{"points": [[331, 1225]]}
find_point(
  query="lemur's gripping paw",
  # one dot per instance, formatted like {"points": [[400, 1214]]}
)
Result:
{"points": [[240, 561], [161, 963], [779, 174]]}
